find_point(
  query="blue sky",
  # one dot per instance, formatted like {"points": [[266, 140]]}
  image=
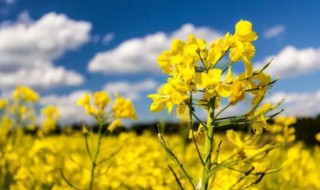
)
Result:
{"points": [[65, 48]]}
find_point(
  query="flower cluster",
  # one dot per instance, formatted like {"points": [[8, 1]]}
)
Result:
{"points": [[52, 115], [283, 130], [20, 107], [25, 93], [122, 108], [193, 68]]}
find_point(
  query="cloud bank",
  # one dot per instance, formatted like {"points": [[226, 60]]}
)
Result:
{"points": [[139, 55], [291, 61], [29, 48]]}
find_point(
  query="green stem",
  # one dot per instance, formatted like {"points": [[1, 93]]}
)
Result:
{"points": [[175, 158], [208, 146], [95, 156], [191, 129]]}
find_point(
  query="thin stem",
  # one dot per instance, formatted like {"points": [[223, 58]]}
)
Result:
{"points": [[110, 156], [190, 111], [87, 146], [204, 65], [197, 148], [237, 161], [176, 177], [256, 173], [255, 182], [259, 88], [215, 162], [191, 128], [217, 153], [95, 155], [257, 72], [68, 182], [222, 110], [195, 116], [221, 57], [176, 159], [80, 165], [241, 178]]}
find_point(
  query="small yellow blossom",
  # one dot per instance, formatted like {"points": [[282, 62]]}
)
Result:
{"points": [[85, 103], [259, 119], [101, 99], [238, 90], [318, 137], [210, 79], [243, 31], [172, 93], [3, 103], [25, 94], [50, 111], [123, 108], [115, 124], [52, 115]]}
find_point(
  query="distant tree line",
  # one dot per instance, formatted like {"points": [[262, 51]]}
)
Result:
{"points": [[306, 128]]}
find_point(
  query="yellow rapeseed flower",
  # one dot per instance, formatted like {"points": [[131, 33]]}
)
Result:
{"points": [[25, 93], [210, 79], [238, 90], [3, 103], [115, 124], [285, 120], [123, 108], [50, 111], [85, 103], [101, 99], [318, 137], [259, 119], [243, 31]]}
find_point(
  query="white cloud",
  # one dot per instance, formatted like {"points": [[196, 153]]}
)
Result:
{"points": [[140, 54], [28, 49], [292, 61], [42, 77], [107, 38], [129, 89], [303, 104], [70, 112], [274, 31]]}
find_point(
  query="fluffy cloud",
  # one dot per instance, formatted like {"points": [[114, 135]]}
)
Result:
{"points": [[129, 89], [140, 54], [298, 104], [42, 77], [67, 105], [292, 61], [28, 49], [274, 31]]}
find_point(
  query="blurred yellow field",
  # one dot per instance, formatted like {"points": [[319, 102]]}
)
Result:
{"points": [[138, 162]]}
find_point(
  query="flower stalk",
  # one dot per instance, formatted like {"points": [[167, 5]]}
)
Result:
{"points": [[209, 144], [95, 156], [195, 71]]}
